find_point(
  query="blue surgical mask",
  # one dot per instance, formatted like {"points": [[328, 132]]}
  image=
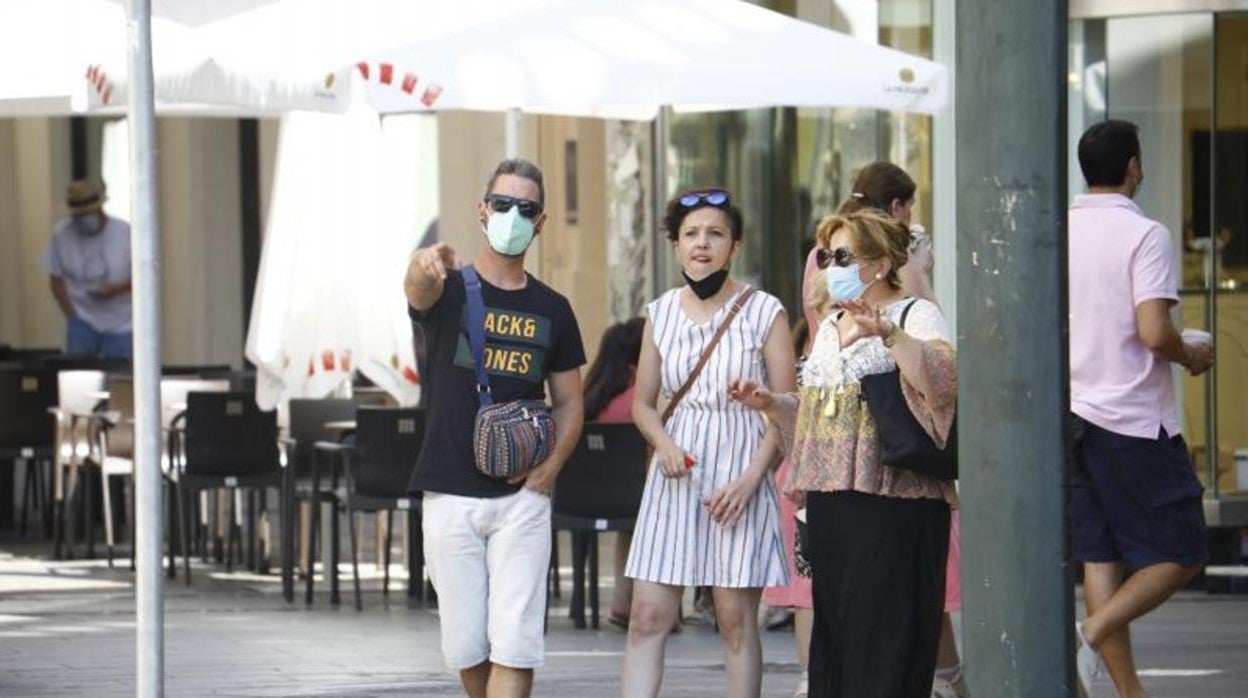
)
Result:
{"points": [[88, 224], [844, 283], [509, 232]]}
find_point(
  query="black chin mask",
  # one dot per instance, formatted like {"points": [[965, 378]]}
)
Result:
{"points": [[709, 286]]}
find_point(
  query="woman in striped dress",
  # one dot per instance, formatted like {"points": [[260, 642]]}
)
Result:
{"points": [[709, 515]]}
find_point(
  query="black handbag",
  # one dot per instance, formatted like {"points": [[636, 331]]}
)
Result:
{"points": [[904, 443]]}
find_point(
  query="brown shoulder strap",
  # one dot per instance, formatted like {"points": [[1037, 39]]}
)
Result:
{"points": [[737, 305]]}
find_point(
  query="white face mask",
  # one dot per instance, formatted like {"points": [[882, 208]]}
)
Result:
{"points": [[509, 233]]}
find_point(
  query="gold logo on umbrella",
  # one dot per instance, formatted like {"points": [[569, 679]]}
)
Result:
{"points": [[906, 75], [329, 81]]}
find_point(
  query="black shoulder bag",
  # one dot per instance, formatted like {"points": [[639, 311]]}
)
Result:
{"points": [[904, 443]]}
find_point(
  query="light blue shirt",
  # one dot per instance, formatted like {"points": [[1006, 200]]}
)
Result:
{"points": [[86, 262]]}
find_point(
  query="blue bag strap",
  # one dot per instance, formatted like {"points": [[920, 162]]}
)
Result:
{"points": [[475, 307]]}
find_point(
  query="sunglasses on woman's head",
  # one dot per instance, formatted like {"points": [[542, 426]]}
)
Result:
{"points": [[841, 257], [502, 204], [714, 197]]}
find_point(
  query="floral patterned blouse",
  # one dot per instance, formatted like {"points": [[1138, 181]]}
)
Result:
{"points": [[828, 430]]}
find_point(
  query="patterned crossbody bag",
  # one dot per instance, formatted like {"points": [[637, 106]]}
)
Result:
{"points": [[509, 438]]}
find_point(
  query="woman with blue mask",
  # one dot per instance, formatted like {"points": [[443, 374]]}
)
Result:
{"points": [[876, 535], [887, 188], [709, 513]]}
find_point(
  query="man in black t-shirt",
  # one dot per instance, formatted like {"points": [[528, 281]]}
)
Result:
{"points": [[487, 541]]}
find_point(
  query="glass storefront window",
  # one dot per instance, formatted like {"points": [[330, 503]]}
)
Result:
{"points": [[789, 168], [1179, 77]]}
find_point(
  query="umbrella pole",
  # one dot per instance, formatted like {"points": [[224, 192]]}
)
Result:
{"points": [[145, 277], [511, 134]]}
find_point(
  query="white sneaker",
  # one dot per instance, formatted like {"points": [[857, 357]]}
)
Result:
{"points": [[1088, 664], [803, 687]]}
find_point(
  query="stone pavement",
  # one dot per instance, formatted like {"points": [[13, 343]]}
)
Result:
{"points": [[66, 629]]}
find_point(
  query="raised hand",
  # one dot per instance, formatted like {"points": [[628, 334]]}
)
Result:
{"points": [[751, 394], [868, 322], [436, 259]]}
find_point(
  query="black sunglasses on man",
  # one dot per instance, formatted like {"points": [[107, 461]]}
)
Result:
{"points": [[502, 204]]}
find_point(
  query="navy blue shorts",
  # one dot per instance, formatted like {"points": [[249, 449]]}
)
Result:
{"points": [[1134, 500]]}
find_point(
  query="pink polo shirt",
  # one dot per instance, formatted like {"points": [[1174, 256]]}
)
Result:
{"points": [[1118, 259]]}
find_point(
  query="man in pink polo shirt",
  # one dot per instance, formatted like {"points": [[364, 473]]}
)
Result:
{"points": [[1135, 501]]}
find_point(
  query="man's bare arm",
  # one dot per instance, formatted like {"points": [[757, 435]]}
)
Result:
{"points": [[61, 293], [426, 274]]}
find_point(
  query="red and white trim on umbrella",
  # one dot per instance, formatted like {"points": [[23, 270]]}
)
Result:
{"points": [[385, 74], [99, 80]]}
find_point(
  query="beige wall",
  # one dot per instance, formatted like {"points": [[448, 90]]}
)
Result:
{"points": [[34, 169], [574, 254], [470, 144], [201, 241], [200, 220]]}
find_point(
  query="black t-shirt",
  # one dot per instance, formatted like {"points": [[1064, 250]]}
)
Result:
{"points": [[530, 334]]}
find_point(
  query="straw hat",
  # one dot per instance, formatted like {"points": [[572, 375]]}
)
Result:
{"points": [[84, 196]]}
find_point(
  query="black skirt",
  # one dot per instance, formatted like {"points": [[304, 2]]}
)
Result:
{"points": [[878, 586]]}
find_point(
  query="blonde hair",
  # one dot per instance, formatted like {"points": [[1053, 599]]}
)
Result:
{"points": [[873, 235]]}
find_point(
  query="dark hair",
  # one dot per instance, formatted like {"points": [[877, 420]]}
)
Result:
{"points": [[877, 186], [520, 168], [612, 369], [676, 212], [1104, 151]]}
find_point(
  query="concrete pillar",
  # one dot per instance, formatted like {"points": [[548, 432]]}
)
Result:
{"points": [[1013, 371]]}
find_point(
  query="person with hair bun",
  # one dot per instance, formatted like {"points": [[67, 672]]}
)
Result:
{"points": [[877, 535]]}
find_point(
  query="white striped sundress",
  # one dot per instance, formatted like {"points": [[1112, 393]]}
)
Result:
{"points": [[675, 541]]}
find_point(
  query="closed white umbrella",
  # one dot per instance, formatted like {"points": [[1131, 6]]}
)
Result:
{"points": [[335, 245]]}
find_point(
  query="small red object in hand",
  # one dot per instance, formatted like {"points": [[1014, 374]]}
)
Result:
{"points": [[689, 462]]}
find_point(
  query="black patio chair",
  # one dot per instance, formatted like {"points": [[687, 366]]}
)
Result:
{"points": [[27, 434], [378, 467], [31, 356], [228, 442], [308, 418], [599, 489], [76, 362]]}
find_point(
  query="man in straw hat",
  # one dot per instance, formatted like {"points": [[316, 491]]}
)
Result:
{"points": [[88, 260]]}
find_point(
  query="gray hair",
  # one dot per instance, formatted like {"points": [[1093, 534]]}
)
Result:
{"points": [[520, 168]]}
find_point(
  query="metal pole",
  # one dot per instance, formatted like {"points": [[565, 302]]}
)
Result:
{"points": [[512, 128], [1013, 367], [1212, 453], [145, 277]]}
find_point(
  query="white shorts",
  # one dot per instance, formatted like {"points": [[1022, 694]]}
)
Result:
{"points": [[488, 559]]}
